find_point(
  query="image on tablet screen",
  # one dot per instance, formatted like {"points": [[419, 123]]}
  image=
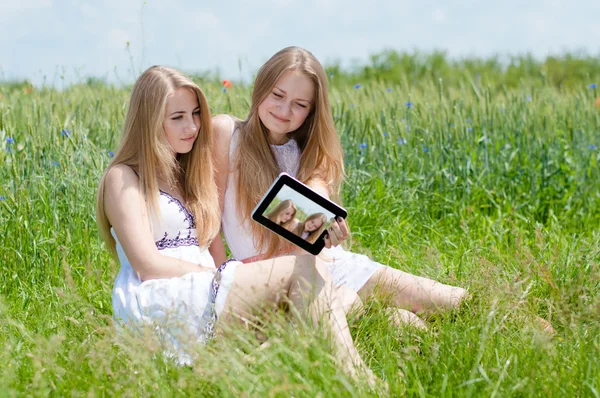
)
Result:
{"points": [[298, 214]]}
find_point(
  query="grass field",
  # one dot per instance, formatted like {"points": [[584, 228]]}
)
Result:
{"points": [[487, 179]]}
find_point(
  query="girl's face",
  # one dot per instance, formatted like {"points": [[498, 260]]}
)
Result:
{"points": [[313, 225], [182, 120], [287, 105], [287, 215]]}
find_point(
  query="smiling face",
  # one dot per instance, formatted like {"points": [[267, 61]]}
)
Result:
{"points": [[313, 224], [287, 215], [182, 120], [287, 105]]}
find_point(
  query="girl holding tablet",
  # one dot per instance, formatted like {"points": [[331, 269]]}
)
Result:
{"points": [[290, 129]]}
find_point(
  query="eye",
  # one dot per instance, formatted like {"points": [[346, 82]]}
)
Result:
{"points": [[277, 95], [177, 117], [197, 112], [302, 106]]}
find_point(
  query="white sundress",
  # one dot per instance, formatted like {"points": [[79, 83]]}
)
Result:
{"points": [[346, 268], [184, 309]]}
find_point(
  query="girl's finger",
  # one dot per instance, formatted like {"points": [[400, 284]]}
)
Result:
{"points": [[335, 230], [327, 242], [333, 238], [343, 227]]}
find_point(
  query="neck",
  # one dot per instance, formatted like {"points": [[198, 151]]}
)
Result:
{"points": [[278, 139]]}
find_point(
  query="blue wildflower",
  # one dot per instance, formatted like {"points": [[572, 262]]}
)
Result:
{"points": [[593, 85], [2, 198], [468, 120], [335, 117], [592, 147], [385, 134], [363, 145], [351, 106], [409, 104], [408, 128], [470, 129], [111, 154], [451, 124], [65, 133], [357, 86], [401, 141], [528, 98], [388, 90], [55, 163], [10, 140], [425, 149], [224, 90], [330, 74]]}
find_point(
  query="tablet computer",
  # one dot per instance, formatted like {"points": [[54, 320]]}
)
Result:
{"points": [[297, 213]]}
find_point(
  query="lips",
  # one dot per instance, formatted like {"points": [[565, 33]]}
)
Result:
{"points": [[193, 137], [279, 119]]}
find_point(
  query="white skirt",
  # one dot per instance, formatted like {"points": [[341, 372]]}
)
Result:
{"points": [[183, 310], [349, 269]]}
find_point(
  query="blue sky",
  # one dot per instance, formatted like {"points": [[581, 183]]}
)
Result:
{"points": [[66, 40]]}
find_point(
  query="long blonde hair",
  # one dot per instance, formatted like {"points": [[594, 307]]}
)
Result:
{"points": [[312, 236], [274, 214], [145, 149], [322, 154]]}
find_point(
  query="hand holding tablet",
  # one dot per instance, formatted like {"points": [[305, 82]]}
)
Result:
{"points": [[298, 214]]}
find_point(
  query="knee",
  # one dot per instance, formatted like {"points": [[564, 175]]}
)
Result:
{"points": [[311, 269], [460, 296], [349, 300]]}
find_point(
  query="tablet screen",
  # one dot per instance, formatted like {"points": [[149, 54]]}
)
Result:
{"points": [[297, 213]]}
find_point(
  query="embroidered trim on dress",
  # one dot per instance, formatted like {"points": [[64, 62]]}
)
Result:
{"points": [[189, 217], [165, 243], [209, 317]]}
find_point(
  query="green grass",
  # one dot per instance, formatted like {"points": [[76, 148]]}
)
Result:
{"points": [[483, 184]]}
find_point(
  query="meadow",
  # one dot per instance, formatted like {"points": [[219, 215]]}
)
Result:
{"points": [[473, 173]]}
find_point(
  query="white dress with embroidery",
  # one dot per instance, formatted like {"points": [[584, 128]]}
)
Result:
{"points": [[346, 268], [184, 309]]}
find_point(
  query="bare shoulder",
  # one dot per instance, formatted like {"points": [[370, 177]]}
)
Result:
{"points": [[223, 125], [120, 178], [120, 173]]}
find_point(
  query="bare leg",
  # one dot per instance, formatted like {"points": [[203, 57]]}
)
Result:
{"points": [[411, 292], [401, 317], [351, 302], [305, 282]]}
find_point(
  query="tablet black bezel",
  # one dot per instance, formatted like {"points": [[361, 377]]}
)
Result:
{"points": [[285, 179]]}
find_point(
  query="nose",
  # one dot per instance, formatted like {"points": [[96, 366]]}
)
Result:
{"points": [[193, 126], [286, 108]]}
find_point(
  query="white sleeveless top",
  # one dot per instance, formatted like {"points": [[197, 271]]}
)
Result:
{"points": [[238, 233]]}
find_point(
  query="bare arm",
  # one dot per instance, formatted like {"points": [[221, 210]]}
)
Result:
{"points": [[222, 128], [126, 211]]}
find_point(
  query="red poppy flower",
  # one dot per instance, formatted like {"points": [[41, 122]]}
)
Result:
{"points": [[597, 102], [226, 83]]}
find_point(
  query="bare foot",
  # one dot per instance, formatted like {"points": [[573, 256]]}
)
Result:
{"points": [[547, 326]]}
